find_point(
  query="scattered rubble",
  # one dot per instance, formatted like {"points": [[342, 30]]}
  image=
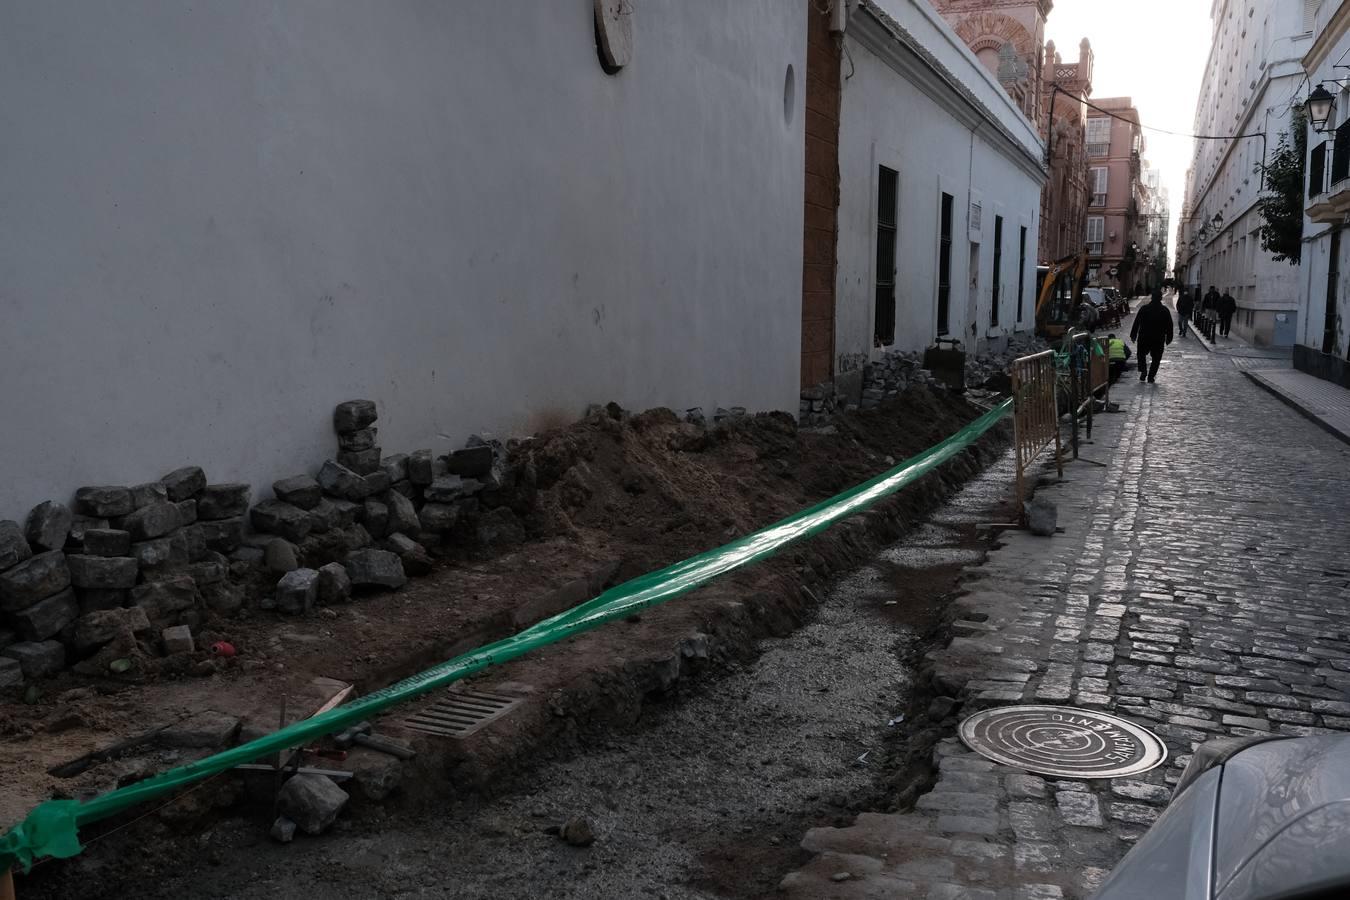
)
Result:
{"points": [[312, 802]]}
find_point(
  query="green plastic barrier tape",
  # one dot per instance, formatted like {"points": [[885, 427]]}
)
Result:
{"points": [[52, 828]]}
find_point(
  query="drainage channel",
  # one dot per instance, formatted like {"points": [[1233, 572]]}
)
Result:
{"points": [[708, 798]]}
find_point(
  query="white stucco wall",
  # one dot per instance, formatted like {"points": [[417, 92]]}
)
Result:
{"points": [[220, 219], [933, 152]]}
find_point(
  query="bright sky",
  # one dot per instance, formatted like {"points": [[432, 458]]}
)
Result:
{"points": [[1153, 51]]}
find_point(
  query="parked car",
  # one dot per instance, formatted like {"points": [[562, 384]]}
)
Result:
{"points": [[1254, 818]]}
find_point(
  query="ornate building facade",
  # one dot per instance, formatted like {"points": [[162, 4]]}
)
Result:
{"points": [[1008, 36], [1065, 89]]}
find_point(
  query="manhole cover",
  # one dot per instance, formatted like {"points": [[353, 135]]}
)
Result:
{"points": [[1063, 741], [460, 712]]}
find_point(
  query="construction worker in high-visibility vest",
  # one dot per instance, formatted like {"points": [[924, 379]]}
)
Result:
{"points": [[1117, 354]]}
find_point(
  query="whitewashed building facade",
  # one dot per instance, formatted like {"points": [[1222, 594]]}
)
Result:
{"points": [[940, 175], [1250, 83]]}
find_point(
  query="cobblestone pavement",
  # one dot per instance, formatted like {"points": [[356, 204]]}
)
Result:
{"points": [[1201, 588]]}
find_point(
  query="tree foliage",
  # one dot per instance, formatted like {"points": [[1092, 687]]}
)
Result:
{"points": [[1281, 205]]}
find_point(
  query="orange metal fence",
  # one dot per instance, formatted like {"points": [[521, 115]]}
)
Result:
{"points": [[1035, 414]]}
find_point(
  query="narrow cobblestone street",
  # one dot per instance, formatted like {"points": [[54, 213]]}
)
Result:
{"points": [[1200, 588]]}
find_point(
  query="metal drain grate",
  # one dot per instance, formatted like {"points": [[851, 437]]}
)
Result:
{"points": [[461, 712]]}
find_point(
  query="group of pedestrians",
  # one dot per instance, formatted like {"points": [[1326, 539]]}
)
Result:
{"points": [[1212, 306]]}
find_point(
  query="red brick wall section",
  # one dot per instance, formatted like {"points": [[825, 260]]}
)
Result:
{"points": [[821, 196]]}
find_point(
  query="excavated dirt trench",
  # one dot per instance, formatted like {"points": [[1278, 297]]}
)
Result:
{"points": [[696, 788]]}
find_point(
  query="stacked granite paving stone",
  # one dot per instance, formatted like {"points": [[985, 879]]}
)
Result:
{"points": [[140, 570]]}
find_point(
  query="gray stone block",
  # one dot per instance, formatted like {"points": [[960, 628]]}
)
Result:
{"points": [[177, 639], [205, 730], [280, 556], [449, 488], [298, 490], [223, 535], [14, 547], [356, 537], [48, 525], [416, 560], [421, 469], [107, 572], [353, 415], [333, 586], [8, 637], [375, 517], [149, 522], [283, 519], [194, 536], [362, 462], [312, 802], [150, 492], [187, 512], [348, 512], [355, 441], [324, 517], [471, 462], [377, 483], [37, 659], [296, 591], [283, 830], [104, 501], [223, 597], [223, 501], [207, 572], [405, 488], [185, 483], [439, 517], [79, 526], [107, 542], [153, 554], [341, 482], [402, 514], [94, 629], [32, 580], [46, 618], [11, 673], [164, 601], [375, 568], [93, 599], [1042, 517], [396, 467]]}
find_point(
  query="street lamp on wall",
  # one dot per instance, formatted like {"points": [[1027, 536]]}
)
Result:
{"points": [[1319, 105]]}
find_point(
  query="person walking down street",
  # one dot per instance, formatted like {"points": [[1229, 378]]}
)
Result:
{"points": [[1185, 306], [1117, 354], [1227, 307], [1152, 332]]}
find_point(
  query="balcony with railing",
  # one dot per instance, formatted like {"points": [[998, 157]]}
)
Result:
{"points": [[1329, 178]]}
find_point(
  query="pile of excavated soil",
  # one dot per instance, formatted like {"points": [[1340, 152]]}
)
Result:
{"points": [[603, 500]]}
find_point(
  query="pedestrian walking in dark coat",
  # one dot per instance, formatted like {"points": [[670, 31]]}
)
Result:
{"points": [[1185, 306], [1227, 307], [1152, 332]]}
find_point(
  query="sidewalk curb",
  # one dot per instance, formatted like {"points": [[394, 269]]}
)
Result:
{"points": [[1292, 402]]}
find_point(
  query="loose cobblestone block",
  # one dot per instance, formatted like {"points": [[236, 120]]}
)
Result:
{"points": [[103, 501], [14, 547], [37, 659], [956, 824], [34, 579], [362, 462], [152, 521], [184, 484], [46, 618], [296, 591], [223, 536], [353, 415], [96, 628], [362, 439], [11, 673], [1079, 808], [282, 519], [299, 490], [177, 639], [1141, 790], [107, 542], [333, 585], [375, 568], [341, 482], [1133, 813], [48, 525], [105, 572]]}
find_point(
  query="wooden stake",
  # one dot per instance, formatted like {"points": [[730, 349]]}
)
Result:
{"points": [[7, 885]]}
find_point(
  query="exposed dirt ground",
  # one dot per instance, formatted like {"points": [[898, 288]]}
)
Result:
{"points": [[606, 499]]}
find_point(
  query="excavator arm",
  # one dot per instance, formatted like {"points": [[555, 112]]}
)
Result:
{"points": [[1059, 294]]}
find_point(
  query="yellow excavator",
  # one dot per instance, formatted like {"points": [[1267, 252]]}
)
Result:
{"points": [[1059, 286]]}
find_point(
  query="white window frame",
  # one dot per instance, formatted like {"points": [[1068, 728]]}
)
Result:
{"points": [[1098, 136], [1100, 177], [1096, 225]]}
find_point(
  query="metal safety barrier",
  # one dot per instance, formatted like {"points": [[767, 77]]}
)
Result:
{"points": [[1035, 414]]}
